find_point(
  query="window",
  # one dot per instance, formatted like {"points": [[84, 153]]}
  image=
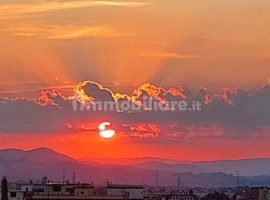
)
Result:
{"points": [[13, 194], [69, 189], [57, 188]]}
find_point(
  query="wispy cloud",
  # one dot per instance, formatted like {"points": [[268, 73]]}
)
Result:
{"points": [[124, 4], [15, 10], [66, 31], [168, 55]]}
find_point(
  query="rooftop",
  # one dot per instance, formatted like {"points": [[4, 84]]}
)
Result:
{"points": [[125, 186]]}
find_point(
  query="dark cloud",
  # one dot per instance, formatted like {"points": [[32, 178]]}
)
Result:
{"points": [[95, 91], [235, 113]]}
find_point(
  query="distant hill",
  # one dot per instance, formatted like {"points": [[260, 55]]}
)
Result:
{"points": [[33, 164], [24, 165], [246, 167], [130, 161], [37, 155], [179, 167]]}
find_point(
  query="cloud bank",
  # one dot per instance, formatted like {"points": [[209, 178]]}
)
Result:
{"points": [[230, 113]]}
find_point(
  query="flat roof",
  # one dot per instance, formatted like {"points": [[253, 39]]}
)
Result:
{"points": [[76, 198], [125, 186]]}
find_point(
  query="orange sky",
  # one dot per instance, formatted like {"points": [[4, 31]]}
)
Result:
{"points": [[121, 44], [195, 43], [91, 147]]}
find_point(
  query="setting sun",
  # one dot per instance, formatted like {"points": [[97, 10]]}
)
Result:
{"points": [[104, 131]]}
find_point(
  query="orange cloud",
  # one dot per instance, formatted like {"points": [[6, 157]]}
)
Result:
{"points": [[80, 94], [16, 10], [47, 97], [168, 55], [226, 95], [177, 93], [146, 89], [143, 130], [151, 90], [160, 93], [65, 32]]}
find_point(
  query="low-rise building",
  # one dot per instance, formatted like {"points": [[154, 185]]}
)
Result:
{"points": [[183, 196], [83, 191], [125, 191], [259, 193]]}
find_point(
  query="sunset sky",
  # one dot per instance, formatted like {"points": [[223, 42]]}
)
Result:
{"points": [[216, 52]]}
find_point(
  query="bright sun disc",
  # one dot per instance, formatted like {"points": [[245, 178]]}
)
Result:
{"points": [[104, 132]]}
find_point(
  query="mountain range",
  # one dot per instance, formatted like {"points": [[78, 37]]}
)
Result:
{"points": [[34, 164]]}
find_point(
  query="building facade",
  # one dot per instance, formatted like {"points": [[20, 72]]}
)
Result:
{"points": [[259, 193], [126, 191]]}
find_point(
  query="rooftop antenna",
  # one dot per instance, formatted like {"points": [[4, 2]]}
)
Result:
{"points": [[237, 178], [157, 182], [64, 175], [73, 177], [179, 183]]}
